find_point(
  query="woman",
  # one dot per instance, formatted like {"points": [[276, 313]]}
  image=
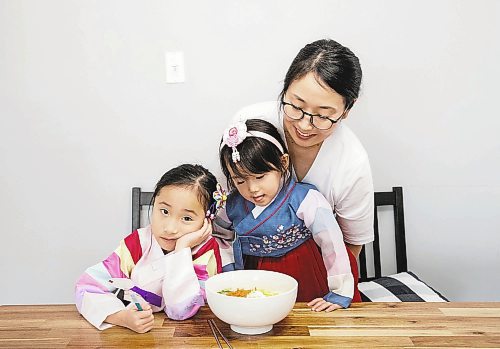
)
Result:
{"points": [[320, 88]]}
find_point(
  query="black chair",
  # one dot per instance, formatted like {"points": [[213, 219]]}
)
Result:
{"points": [[392, 198], [139, 199], [404, 286]]}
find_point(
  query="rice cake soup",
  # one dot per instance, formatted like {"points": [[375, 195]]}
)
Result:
{"points": [[247, 293]]}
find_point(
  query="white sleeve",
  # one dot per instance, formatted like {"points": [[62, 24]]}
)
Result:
{"points": [[354, 208], [181, 289], [96, 307]]}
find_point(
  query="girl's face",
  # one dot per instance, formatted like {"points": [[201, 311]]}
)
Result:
{"points": [[177, 211], [314, 98], [259, 189]]}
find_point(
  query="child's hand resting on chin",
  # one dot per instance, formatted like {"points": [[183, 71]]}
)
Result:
{"points": [[195, 238]]}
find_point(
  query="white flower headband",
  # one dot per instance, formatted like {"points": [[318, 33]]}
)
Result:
{"points": [[236, 133]]}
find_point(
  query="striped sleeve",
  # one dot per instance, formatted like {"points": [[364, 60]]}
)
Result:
{"points": [[318, 216], [93, 293]]}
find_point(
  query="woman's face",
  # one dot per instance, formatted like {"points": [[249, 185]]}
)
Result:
{"points": [[314, 98]]}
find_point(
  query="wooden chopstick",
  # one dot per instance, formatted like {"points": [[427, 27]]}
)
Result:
{"points": [[216, 330]]}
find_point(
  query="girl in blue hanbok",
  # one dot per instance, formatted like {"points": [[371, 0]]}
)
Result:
{"points": [[280, 224]]}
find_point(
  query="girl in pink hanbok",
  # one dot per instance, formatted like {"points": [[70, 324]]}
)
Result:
{"points": [[162, 266]]}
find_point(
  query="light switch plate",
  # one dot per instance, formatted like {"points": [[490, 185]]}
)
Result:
{"points": [[174, 63]]}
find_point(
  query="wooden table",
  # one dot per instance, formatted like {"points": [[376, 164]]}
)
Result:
{"points": [[366, 325]]}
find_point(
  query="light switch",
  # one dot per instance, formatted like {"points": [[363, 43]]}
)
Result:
{"points": [[174, 63]]}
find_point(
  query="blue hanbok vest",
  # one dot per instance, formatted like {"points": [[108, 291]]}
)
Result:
{"points": [[276, 231]]}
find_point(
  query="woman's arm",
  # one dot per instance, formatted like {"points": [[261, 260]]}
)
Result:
{"points": [[354, 207], [355, 249]]}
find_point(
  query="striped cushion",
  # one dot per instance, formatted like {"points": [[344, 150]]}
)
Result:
{"points": [[402, 287]]}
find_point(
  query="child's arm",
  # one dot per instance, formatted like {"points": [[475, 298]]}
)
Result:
{"points": [[224, 235], [226, 254], [93, 293], [183, 290], [318, 216]]}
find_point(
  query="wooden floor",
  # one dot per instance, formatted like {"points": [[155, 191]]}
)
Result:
{"points": [[367, 325]]}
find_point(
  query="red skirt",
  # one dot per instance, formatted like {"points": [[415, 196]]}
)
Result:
{"points": [[306, 265]]}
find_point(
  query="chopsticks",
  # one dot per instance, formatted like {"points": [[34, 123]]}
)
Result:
{"points": [[216, 330]]}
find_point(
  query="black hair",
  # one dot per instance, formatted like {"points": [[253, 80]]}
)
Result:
{"points": [[190, 176], [332, 64], [257, 155]]}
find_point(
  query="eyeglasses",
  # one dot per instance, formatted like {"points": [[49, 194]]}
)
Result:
{"points": [[321, 122]]}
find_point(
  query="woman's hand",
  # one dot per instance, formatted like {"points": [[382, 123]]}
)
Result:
{"points": [[195, 238], [137, 320], [319, 304]]}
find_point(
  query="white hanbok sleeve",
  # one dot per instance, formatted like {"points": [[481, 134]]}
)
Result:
{"points": [[181, 289], [98, 307], [318, 216]]}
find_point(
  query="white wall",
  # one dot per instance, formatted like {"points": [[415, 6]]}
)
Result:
{"points": [[86, 114]]}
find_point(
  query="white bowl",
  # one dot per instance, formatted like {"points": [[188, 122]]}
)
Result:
{"points": [[251, 315]]}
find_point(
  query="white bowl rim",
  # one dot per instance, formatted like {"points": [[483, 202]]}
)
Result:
{"points": [[284, 293]]}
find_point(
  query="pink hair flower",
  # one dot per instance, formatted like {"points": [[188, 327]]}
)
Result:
{"points": [[233, 136]]}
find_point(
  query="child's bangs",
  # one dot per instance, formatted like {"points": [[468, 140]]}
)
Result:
{"points": [[256, 158]]}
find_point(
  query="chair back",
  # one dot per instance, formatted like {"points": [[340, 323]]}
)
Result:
{"points": [[139, 199], [393, 198]]}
